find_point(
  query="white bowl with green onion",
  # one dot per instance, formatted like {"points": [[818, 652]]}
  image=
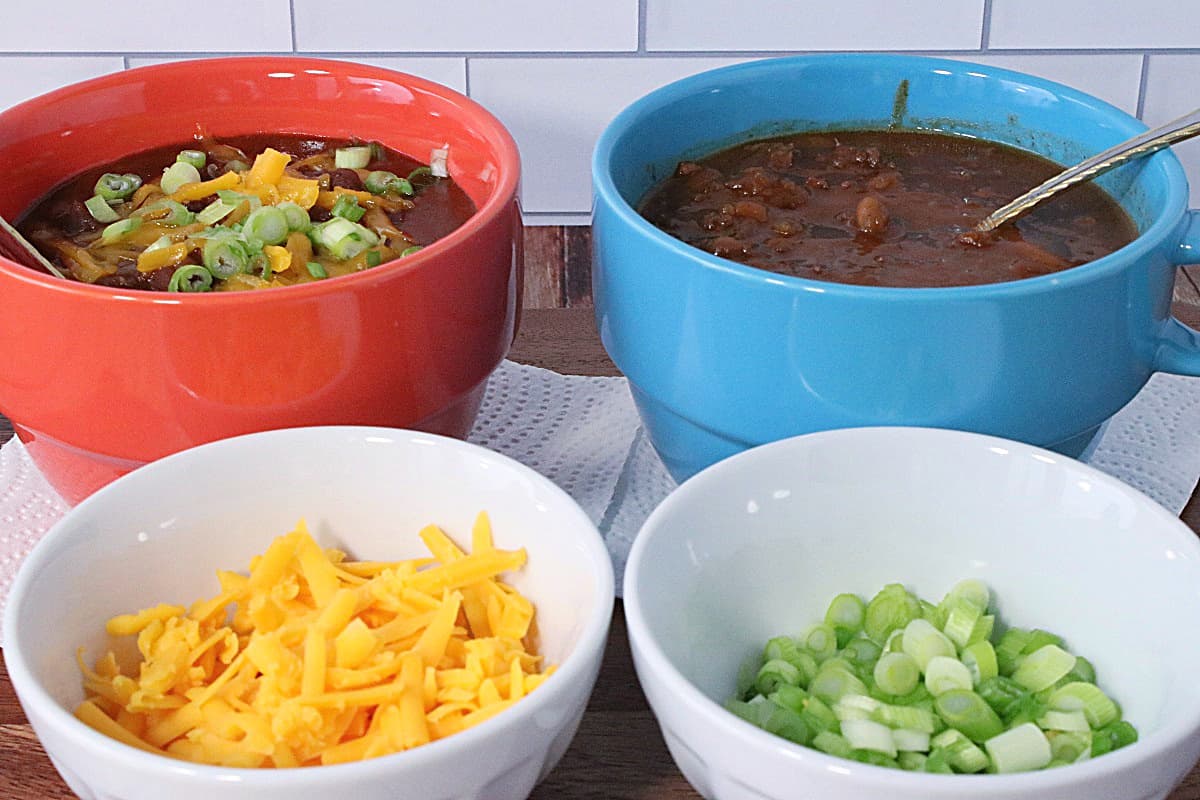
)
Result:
{"points": [[1001, 539]]}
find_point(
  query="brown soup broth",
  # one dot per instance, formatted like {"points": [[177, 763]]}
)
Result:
{"points": [[883, 208], [439, 207]]}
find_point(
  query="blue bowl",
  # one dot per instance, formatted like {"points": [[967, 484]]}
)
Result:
{"points": [[722, 357]]}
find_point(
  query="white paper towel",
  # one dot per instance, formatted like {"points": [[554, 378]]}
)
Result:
{"points": [[584, 434]]}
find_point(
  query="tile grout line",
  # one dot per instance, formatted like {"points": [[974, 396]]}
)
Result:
{"points": [[985, 34], [292, 20], [641, 26], [1143, 80]]}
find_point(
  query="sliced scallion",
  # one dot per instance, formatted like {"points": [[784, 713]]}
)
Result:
{"points": [[190, 278], [347, 207], [1098, 707], [297, 217], [178, 174], [1043, 667], [316, 270], [267, 224], [177, 215], [897, 673], [196, 158], [225, 257], [961, 753], [100, 210], [1019, 749], [215, 211], [944, 673], [115, 188], [119, 230], [967, 712], [352, 157]]}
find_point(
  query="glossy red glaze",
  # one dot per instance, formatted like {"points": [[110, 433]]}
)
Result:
{"points": [[99, 381]]}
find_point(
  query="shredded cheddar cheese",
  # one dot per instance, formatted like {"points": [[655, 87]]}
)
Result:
{"points": [[311, 658]]}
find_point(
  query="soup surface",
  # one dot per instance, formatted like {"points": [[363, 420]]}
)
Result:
{"points": [[883, 208], [245, 212]]}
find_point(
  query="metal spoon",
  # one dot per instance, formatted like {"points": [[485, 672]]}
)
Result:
{"points": [[1176, 130], [16, 247]]}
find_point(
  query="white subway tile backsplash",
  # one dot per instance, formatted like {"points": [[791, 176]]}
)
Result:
{"points": [[23, 77], [1171, 92], [135, 26], [1113, 77], [466, 25], [450, 72], [791, 25], [556, 109], [1094, 23]]}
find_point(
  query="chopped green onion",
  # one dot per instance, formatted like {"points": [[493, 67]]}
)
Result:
{"points": [[374, 258], [342, 238], [980, 659], [860, 651], [347, 207], [196, 158], [178, 174], [830, 684], [960, 752], [236, 198], [1038, 639], [863, 734], [119, 230], [1072, 721], [944, 673], [775, 673], [316, 270], [1043, 667], [190, 278], [159, 244], [832, 743], [897, 673], [352, 157], [790, 697], [909, 740], [819, 716], [100, 210], [783, 722], [1008, 649], [938, 762], [115, 188], [966, 711], [419, 172], [297, 217], [891, 609], [911, 761], [1114, 736], [973, 591], [381, 182], [1003, 694], [855, 706], [215, 211], [820, 640], [922, 641], [408, 251], [913, 718], [236, 165], [267, 224], [225, 257], [961, 617], [1099, 709], [1070, 746], [1082, 671], [1022, 748], [179, 212], [846, 611]]}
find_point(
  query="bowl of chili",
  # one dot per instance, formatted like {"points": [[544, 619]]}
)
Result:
{"points": [[372, 310]]}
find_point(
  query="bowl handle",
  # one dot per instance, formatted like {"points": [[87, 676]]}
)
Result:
{"points": [[1179, 345]]}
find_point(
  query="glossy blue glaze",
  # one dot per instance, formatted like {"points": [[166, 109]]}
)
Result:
{"points": [[722, 357]]}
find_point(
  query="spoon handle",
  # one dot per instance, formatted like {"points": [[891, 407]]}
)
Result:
{"points": [[1176, 130]]}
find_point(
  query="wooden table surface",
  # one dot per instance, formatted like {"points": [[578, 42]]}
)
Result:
{"points": [[618, 753]]}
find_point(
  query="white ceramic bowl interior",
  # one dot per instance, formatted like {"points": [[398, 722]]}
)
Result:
{"points": [[757, 545], [159, 534]]}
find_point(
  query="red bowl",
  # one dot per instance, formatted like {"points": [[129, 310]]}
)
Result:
{"points": [[98, 381]]}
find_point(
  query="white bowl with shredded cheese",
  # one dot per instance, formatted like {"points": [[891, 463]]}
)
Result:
{"points": [[442, 621], [755, 547]]}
